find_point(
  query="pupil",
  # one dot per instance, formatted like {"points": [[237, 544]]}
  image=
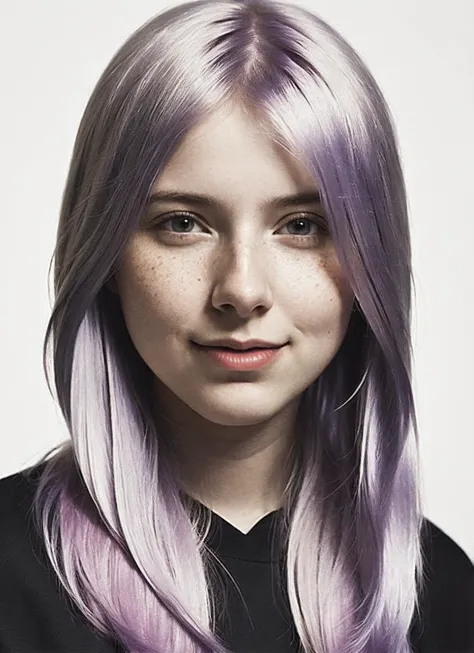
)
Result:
{"points": [[301, 223], [183, 222]]}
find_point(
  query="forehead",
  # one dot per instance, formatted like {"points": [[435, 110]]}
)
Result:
{"points": [[230, 152]]}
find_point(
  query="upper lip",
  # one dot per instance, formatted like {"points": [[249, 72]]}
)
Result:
{"points": [[240, 344]]}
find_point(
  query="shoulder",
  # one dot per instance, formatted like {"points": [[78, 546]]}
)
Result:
{"points": [[16, 493], [16, 521], [36, 614], [446, 619], [447, 564]]}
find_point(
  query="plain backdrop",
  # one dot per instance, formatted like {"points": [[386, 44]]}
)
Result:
{"points": [[421, 53]]}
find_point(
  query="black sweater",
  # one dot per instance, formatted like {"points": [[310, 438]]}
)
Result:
{"points": [[37, 617]]}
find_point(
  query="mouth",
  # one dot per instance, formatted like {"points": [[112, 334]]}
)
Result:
{"points": [[240, 360], [249, 349]]}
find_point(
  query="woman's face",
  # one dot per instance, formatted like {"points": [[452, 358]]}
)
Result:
{"points": [[237, 266]]}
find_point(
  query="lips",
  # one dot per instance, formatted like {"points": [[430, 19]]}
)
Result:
{"points": [[249, 349], [239, 350], [240, 360]]}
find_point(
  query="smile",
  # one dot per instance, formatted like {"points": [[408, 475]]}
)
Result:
{"points": [[243, 360]]}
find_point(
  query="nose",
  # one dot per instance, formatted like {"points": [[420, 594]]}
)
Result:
{"points": [[241, 281]]}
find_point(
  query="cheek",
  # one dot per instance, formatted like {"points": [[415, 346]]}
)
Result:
{"points": [[156, 299], [321, 300]]}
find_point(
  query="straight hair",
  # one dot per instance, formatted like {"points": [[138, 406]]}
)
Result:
{"points": [[123, 540]]}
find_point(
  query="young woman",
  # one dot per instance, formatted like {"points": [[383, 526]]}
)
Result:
{"points": [[232, 356]]}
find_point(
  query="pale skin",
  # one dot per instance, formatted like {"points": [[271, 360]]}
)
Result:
{"points": [[240, 268]]}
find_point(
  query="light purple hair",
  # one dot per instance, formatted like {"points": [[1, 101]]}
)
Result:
{"points": [[117, 528]]}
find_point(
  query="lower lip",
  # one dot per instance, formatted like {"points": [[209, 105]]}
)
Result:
{"points": [[242, 360]]}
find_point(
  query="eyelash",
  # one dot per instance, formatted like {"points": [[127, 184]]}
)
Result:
{"points": [[321, 224]]}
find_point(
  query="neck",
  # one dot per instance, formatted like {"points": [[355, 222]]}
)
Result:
{"points": [[240, 472]]}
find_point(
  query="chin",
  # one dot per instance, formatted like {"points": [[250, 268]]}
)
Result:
{"points": [[242, 411]]}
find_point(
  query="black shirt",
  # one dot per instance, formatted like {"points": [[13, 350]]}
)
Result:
{"points": [[36, 616]]}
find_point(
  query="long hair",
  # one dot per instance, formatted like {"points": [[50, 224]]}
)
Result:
{"points": [[122, 539]]}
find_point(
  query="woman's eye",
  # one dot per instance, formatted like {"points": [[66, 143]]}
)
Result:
{"points": [[181, 221], [306, 226]]}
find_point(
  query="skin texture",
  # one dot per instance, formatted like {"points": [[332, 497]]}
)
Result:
{"points": [[240, 269]]}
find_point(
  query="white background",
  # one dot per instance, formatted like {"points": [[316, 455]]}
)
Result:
{"points": [[421, 53]]}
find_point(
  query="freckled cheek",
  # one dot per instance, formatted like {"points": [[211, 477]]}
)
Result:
{"points": [[159, 302], [320, 303]]}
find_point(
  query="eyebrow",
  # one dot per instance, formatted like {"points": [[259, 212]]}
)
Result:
{"points": [[207, 201]]}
